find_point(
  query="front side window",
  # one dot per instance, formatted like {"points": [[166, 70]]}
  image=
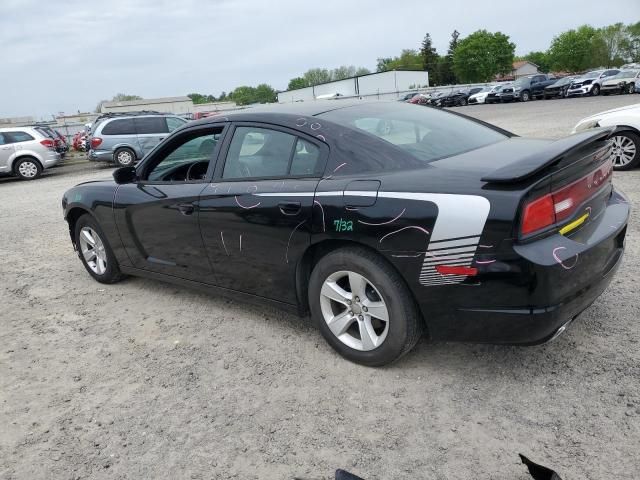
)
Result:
{"points": [[17, 137], [120, 126], [188, 160], [425, 133], [149, 125], [258, 152]]}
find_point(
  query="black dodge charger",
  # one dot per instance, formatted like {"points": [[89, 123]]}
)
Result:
{"points": [[384, 221]]}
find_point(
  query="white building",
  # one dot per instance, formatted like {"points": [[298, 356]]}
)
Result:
{"points": [[165, 105], [523, 68], [391, 84]]}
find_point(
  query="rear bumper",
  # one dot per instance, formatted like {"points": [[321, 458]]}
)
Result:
{"points": [[527, 297], [51, 160], [100, 155]]}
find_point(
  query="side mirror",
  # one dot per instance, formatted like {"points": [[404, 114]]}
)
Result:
{"points": [[125, 175]]}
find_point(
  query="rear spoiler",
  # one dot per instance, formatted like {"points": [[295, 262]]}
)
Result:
{"points": [[546, 156]]}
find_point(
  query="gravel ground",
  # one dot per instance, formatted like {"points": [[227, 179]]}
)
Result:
{"points": [[146, 380]]}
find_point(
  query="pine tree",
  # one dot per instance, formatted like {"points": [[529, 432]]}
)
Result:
{"points": [[430, 60]]}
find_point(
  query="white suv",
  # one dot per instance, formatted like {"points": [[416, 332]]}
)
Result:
{"points": [[25, 152]]}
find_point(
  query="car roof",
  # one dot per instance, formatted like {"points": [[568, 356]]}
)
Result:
{"points": [[303, 109]]}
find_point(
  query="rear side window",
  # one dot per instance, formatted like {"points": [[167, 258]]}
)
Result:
{"points": [[258, 152], [17, 137], [120, 126], [174, 123], [2, 141], [146, 125], [426, 134]]}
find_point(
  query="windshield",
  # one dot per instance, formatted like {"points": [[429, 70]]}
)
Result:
{"points": [[593, 74], [521, 81], [427, 134]]}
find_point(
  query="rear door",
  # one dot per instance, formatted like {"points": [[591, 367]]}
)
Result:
{"points": [[256, 215], [151, 131], [6, 152]]}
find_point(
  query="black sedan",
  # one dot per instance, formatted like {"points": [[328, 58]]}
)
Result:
{"points": [[383, 220], [558, 89]]}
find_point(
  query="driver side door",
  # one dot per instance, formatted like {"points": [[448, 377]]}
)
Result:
{"points": [[158, 216]]}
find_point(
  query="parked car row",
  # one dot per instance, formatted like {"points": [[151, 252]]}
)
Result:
{"points": [[606, 81]]}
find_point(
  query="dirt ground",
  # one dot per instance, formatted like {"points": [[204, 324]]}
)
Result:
{"points": [[146, 380]]}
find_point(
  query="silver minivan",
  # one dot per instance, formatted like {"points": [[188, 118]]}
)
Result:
{"points": [[126, 138], [25, 152]]}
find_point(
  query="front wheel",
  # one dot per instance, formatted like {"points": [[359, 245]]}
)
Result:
{"points": [[625, 149], [95, 252], [595, 91], [462, 102], [524, 96], [363, 307], [631, 88]]}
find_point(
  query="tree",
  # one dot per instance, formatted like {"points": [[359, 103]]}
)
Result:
{"points": [[631, 44], [445, 64], [382, 64], [610, 42], [430, 59], [265, 94], [362, 71], [296, 83], [541, 59], [198, 98], [343, 72], [482, 55], [316, 76], [120, 97], [408, 60], [573, 50]]}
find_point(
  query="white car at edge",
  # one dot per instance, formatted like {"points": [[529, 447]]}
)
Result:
{"points": [[481, 96], [626, 142]]}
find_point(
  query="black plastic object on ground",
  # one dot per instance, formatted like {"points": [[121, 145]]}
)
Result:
{"points": [[538, 472]]}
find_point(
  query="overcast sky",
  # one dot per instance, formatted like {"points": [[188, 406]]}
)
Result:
{"points": [[67, 56]]}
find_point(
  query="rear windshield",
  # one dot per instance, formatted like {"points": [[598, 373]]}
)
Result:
{"points": [[426, 133]]}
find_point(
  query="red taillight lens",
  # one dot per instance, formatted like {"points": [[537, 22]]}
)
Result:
{"points": [[538, 214], [561, 204], [47, 142], [95, 142]]}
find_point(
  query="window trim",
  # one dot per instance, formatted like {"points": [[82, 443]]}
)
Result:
{"points": [[177, 137], [224, 150]]}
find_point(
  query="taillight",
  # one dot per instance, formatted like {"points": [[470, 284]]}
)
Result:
{"points": [[562, 204], [95, 142], [47, 142]]}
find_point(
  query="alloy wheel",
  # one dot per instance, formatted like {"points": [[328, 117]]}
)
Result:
{"points": [[623, 150], [354, 310], [125, 158], [28, 169], [93, 251]]}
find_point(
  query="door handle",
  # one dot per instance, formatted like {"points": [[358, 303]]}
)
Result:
{"points": [[186, 208], [290, 208]]}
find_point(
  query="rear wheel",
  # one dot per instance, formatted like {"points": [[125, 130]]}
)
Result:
{"points": [[28, 168], [362, 307], [625, 150], [95, 252], [124, 157]]}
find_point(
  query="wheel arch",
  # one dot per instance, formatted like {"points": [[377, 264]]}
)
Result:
{"points": [[627, 128], [22, 156], [72, 216], [315, 252]]}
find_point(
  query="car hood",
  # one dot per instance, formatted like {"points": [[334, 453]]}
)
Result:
{"points": [[479, 95], [635, 109]]}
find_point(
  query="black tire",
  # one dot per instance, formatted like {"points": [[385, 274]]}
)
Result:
{"points": [[525, 96], [635, 161], [463, 102], [405, 324], [27, 168], [112, 273], [595, 91], [124, 157], [630, 88]]}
